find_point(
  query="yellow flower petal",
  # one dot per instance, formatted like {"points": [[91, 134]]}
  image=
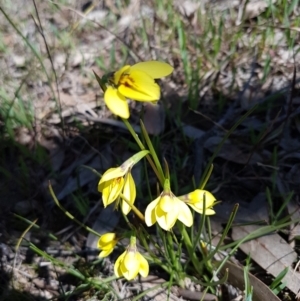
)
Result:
{"points": [[185, 214], [144, 265], [131, 274], [117, 267], [150, 218], [106, 243], [139, 86], [111, 190], [195, 200], [105, 239], [116, 102], [197, 196], [105, 253], [166, 220], [166, 203], [208, 211], [130, 260], [170, 220], [130, 265], [119, 73], [153, 68], [129, 193], [112, 173]]}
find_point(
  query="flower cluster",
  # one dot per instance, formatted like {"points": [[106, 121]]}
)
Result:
{"points": [[165, 210], [137, 82]]}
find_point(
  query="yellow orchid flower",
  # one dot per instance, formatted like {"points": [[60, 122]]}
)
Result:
{"points": [[136, 82], [195, 200], [166, 209], [131, 263], [106, 243], [119, 180], [112, 188]]}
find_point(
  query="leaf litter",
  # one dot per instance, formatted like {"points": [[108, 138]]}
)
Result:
{"points": [[241, 171]]}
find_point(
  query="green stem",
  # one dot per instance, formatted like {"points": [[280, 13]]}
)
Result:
{"points": [[225, 232], [171, 250], [190, 249], [207, 176], [202, 223], [134, 209], [153, 152], [142, 147], [33, 225], [68, 214]]}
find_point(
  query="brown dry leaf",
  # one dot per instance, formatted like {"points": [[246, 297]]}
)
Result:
{"points": [[255, 8], [271, 252], [191, 131], [154, 118], [236, 278], [230, 152]]}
